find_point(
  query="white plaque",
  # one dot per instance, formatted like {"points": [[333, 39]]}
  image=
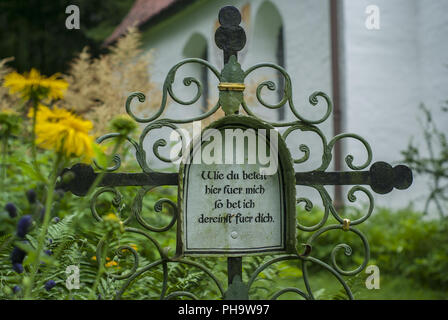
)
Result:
{"points": [[233, 209]]}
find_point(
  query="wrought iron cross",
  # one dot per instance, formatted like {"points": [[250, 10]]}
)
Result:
{"points": [[231, 38]]}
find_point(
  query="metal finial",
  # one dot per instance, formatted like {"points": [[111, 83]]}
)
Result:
{"points": [[230, 36]]}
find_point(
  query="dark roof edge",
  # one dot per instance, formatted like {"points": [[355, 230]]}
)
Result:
{"points": [[170, 10]]}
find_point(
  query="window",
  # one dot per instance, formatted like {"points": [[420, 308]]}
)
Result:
{"points": [[269, 46]]}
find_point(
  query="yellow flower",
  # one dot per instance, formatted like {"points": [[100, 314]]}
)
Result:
{"points": [[46, 114], [133, 246], [111, 264], [111, 217], [108, 264], [62, 131], [33, 84]]}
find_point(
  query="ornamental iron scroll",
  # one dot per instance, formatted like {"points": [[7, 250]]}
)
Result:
{"points": [[231, 38]]}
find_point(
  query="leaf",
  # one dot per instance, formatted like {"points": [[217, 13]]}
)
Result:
{"points": [[100, 155], [29, 171]]}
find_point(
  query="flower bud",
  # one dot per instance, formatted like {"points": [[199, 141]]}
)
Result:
{"points": [[23, 226], [49, 285], [17, 267], [17, 255], [31, 196], [11, 209], [123, 124]]}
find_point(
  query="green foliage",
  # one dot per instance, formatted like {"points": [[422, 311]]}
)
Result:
{"points": [[432, 161], [9, 123], [402, 244]]}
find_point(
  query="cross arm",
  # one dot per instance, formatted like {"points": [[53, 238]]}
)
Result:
{"points": [[79, 178], [381, 177]]}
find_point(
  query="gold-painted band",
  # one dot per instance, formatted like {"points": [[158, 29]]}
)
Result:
{"points": [[230, 86], [346, 224]]}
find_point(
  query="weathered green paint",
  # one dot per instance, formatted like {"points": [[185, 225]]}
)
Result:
{"points": [[230, 101], [237, 290]]}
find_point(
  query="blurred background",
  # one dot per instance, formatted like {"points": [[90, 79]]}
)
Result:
{"points": [[384, 63]]}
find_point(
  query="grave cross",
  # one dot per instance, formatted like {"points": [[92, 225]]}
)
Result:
{"points": [[231, 38], [381, 177]]}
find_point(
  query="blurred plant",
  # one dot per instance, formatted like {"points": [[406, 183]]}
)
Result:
{"points": [[33, 239], [123, 124], [402, 243], [57, 130], [67, 136], [7, 101], [433, 162], [10, 122], [98, 87], [35, 88]]}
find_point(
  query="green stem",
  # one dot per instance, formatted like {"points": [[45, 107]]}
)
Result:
{"points": [[47, 215], [33, 136], [4, 164], [101, 258], [35, 163]]}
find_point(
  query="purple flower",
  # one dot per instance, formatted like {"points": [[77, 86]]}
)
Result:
{"points": [[11, 209], [17, 255], [56, 219], [42, 213], [16, 289], [17, 267], [49, 285], [48, 252], [31, 196], [23, 226]]}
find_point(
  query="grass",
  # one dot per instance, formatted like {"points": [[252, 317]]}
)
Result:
{"points": [[392, 287]]}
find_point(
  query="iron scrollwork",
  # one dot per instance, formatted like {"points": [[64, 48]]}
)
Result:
{"points": [[381, 177]]}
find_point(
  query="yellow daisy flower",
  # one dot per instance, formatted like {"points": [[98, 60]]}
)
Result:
{"points": [[61, 131], [46, 114], [33, 84]]}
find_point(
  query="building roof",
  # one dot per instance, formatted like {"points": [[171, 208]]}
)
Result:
{"points": [[142, 12]]}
